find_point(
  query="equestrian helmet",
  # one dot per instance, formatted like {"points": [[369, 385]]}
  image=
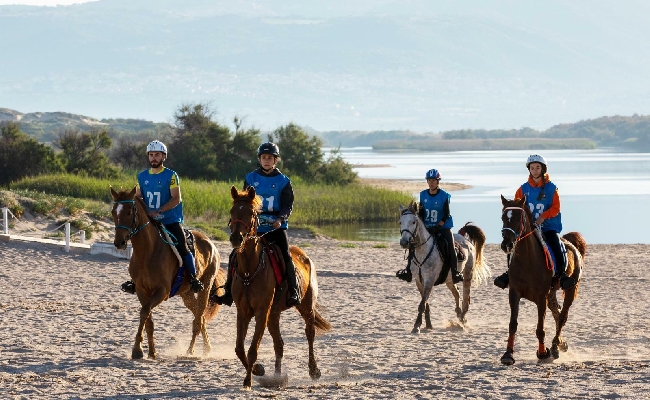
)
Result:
{"points": [[157, 145], [535, 158], [268, 148], [433, 174]]}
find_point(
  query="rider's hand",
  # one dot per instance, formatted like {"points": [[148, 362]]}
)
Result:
{"points": [[277, 223]]}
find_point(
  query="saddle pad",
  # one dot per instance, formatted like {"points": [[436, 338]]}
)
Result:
{"points": [[274, 255]]}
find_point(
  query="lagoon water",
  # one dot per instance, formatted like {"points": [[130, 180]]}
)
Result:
{"points": [[604, 192]]}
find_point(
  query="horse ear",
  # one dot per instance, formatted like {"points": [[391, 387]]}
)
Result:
{"points": [[251, 192], [233, 192], [113, 193], [132, 192], [401, 208], [504, 201]]}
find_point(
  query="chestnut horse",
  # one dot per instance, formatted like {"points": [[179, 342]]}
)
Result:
{"points": [[531, 276], [428, 263], [154, 266], [256, 294]]}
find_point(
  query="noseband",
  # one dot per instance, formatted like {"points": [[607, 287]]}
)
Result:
{"points": [[522, 227], [250, 227], [130, 229]]}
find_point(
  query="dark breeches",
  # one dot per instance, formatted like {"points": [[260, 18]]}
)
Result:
{"points": [[176, 229], [280, 238], [553, 240]]}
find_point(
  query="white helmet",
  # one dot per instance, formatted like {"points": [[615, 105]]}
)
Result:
{"points": [[535, 158], [157, 145]]}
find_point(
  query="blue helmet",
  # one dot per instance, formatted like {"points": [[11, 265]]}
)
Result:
{"points": [[433, 174]]}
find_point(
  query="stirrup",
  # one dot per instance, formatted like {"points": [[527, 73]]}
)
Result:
{"points": [[566, 282], [293, 299], [457, 277], [128, 287], [502, 281], [405, 275], [225, 300]]}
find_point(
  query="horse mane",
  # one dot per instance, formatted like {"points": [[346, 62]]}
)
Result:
{"points": [[255, 202]]}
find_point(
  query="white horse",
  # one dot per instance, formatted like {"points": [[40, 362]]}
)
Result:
{"points": [[427, 262]]}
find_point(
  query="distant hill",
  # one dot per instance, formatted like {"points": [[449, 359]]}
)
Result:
{"points": [[46, 126], [419, 65]]}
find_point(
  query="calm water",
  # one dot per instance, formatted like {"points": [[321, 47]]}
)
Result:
{"points": [[603, 192]]}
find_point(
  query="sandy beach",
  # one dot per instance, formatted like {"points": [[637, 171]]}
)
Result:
{"points": [[67, 332]]}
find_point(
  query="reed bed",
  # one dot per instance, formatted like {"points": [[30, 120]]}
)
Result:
{"points": [[210, 202]]}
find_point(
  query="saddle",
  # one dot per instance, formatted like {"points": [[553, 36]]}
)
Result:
{"points": [[275, 256], [441, 243]]}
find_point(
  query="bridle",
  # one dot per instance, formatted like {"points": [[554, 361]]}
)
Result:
{"points": [[522, 227], [248, 278], [415, 235], [131, 229], [250, 226]]}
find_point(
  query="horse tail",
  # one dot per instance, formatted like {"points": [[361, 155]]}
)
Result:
{"points": [[578, 241], [320, 323], [219, 279], [477, 236]]}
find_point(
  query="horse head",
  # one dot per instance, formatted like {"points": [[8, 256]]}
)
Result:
{"points": [[243, 215], [126, 217], [516, 221], [408, 224]]}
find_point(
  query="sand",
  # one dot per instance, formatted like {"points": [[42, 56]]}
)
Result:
{"points": [[67, 332]]}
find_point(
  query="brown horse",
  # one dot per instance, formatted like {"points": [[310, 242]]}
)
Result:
{"points": [[256, 294], [154, 266], [531, 277]]}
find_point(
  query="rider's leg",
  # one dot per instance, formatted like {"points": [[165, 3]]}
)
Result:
{"points": [[226, 299], [451, 254], [552, 239], [405, 274], [281, 239], [188, 258]]}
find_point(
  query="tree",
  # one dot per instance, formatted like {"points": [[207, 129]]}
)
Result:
{"points": [[205, 149], [83, 152], [22, 156], [301, 154]]}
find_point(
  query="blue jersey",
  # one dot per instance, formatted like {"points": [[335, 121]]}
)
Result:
{"points": [[433, 206], [537, 207], [269, 188], [156, 191]]}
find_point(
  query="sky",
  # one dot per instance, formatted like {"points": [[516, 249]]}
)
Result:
{"points": [[48, 3]]}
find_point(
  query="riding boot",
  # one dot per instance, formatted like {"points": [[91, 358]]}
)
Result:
{"points": [[195, 284], [128, 287], [456, 276], [226, 299], [566, 282], [503, 280], [293, 298], [405, 274]]}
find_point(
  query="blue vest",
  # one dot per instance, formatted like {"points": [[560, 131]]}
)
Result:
{"points": [[155, 190], [269, 188], [433, 208], [537, 207]]}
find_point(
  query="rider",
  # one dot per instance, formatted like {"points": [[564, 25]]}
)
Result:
{"points": [[434, 211], [159, 187], [544, 202], [277, 203]]}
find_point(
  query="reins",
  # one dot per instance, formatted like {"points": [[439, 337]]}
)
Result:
{"points": [[414, 235], [522, 230], [130, 229], [260, 265]]}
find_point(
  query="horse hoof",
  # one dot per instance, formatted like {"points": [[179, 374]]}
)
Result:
{"points": [[564, 346], [137, 354], [507, 358], [544, 356], [315, 374], [415, 331], [555, 352], [258, 370]]}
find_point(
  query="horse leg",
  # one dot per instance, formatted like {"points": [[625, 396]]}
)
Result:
{"points": [[454, 291], [278, 343], [145, 319], [198, 305], [507, 358], [558, 343], [542, 352], [261, 319], [242, 329], [310, 331], [554, 306], [427, 317]]}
